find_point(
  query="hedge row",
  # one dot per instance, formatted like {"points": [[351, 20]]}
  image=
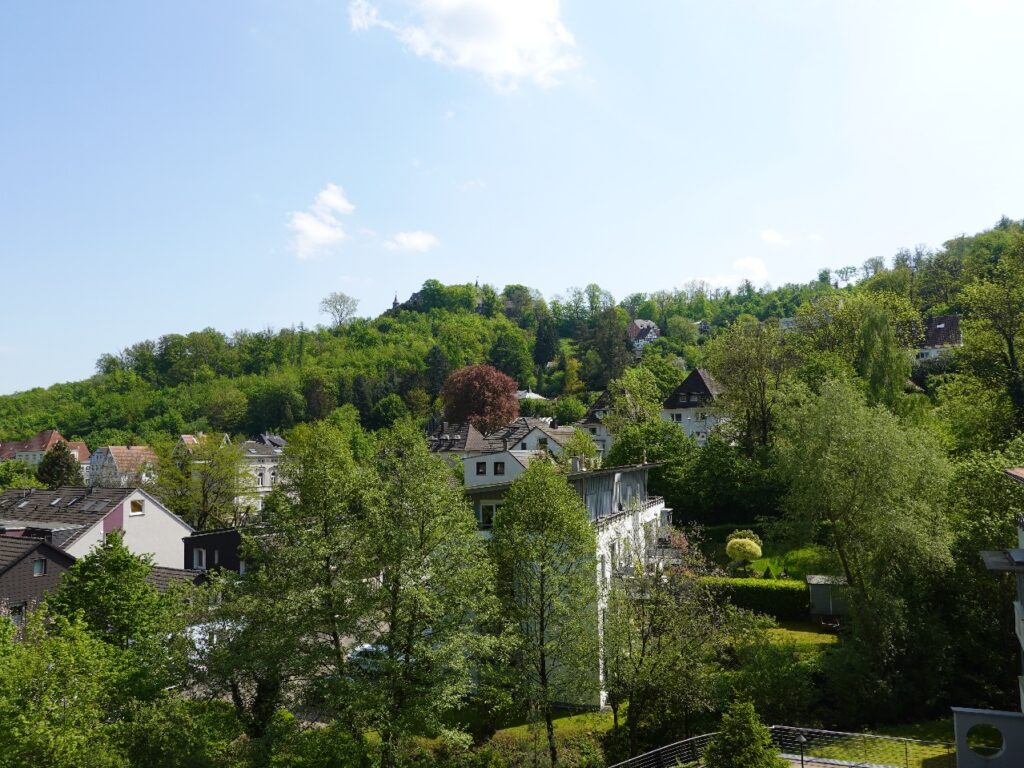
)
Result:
{"points": [[785, 600]]}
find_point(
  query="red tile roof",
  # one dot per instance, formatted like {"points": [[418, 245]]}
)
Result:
{"points": [[42, 442]]}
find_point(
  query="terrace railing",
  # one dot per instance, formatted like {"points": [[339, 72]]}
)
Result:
{"points": [[813, 748]]}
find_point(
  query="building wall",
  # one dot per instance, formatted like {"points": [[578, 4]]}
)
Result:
{"points": [[221, 550], [469, 469], [153, 530], [697, 422], [18, 586]]}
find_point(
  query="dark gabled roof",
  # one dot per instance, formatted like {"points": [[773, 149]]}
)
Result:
{"points": [[701, 383], [67, 507], [601, 404], [254, 448], [640, 328], [943, 331], [162, 578], [15, 549], [447, 436], [466, 437]]}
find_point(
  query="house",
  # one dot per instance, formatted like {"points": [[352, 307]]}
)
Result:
{"points": [[29, 569], [31, 452], [620, 509], [455, 439], [500, 467], [593, 424], [75, 519], [526, 433], [941, 336], [1010, 725], [527, 394], [692, 405], [216, 548], [262, 457], [641, 333], [122, 466]]}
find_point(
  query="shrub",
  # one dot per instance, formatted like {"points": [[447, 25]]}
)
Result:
{"points": [[745, 533], [742, 742], [784, 600], [743, 550]]}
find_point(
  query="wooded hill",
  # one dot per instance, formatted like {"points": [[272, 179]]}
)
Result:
{"points": [[572, 345]]}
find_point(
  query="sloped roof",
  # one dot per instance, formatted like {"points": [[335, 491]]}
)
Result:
{"points": [[600, 404], [943, 331], [15, 549], [42, 441], [701, 383], [63, 508], [639, 328], [508, 437], [454, 436], [162, 578], [130, 458]]}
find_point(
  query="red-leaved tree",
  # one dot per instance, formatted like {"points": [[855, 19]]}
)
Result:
{"points": [[481, 395]]}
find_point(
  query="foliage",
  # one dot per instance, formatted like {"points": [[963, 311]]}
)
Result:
{"points": [[780, 599], [59, 468], [341, 307], [15, 474], [743, 550], [569, 410], [745, 533], [544, 548], [634, 398], [481, 395], [742, 742]]}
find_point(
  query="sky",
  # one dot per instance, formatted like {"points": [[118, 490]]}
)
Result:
{"points": [[167, 167]]}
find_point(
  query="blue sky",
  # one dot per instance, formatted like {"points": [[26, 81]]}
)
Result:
{"points": [[171, 166]]}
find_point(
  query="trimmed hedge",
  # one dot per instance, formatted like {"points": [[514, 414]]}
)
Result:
{"points": [[783, 599]]}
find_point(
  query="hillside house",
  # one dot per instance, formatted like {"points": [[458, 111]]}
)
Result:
{"points": [[593, 424], [693, 405], [31, 452], [262, 457], [76, 519], [30, 568], [641, 333], [501, 467], [941, 336], [122, 466], [526, 433]]}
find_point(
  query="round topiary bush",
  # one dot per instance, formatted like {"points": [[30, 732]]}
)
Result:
{"points": [[743, 550]]}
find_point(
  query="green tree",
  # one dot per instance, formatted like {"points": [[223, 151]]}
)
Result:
{"points": [[633, 398], [109, 587], [751, 361], [545, 550], [510, 354], [207, 482], [545, 346], [341, 307], [742, 742], [15, 474], [433, 580], [569, 410], [59, 468]]}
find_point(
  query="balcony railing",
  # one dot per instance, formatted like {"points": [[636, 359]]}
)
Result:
{"points": [[649, 503]]}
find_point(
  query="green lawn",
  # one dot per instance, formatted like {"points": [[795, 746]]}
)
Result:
{"points": [[568, 724], [802, 633]]}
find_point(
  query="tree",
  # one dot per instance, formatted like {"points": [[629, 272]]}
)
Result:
{"points": [[569, 410], [545, 550], [743, 551], [341, 307], [607, 348], [742, 742], [510, 354], [663, 632], [207, 482], [59, 468], [481, 395], [16, 474], [431, 590], [438, 368], [578, 452], [633, 398], [545, 346], [751, 362], [110, 587]]}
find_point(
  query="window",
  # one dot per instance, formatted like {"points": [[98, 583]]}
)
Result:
{"points": [[216, 557], [137, 507], [259, 480], [593, 430], [543, 443], [677, 417], [522, 445], [499, 467], [18, 614], [486, 516], [39, 567], [241, 566], [481, 467], [273, 477], [199, 559]]}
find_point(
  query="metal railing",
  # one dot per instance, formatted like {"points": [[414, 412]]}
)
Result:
{"points": [[815, 748]]}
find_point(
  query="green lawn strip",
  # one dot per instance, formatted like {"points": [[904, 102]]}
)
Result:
{"points": [[567, 725], [882, 752], [802, 633]]}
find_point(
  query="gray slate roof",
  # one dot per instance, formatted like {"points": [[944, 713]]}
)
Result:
{"points": [[700, 382], [63, 508]]}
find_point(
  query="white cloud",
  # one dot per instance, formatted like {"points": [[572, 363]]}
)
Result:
{"points": [[318, 227], [418, 242], [507, 41]]}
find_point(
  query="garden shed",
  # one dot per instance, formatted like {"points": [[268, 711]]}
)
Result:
{"points": [[827, 595]]}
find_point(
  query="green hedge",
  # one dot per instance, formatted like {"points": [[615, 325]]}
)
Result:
{"points": [[782, 599]]}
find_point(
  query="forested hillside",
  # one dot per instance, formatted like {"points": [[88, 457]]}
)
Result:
{"points": [[251, 381]]}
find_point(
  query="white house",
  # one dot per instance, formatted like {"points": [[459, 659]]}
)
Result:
{"points": [[501, 467], [692, 405], [593, 424], [641, 333], [77, 519], [941, 336], [526, 433], [262, 458], [122, 466]]}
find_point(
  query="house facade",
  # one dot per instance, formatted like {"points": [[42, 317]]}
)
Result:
{"points": [[593, 424], [693, 405], [30, 568], [641, 333], [941, 336], [217, 548], [122, 466], [76, 519], [31, 452]]}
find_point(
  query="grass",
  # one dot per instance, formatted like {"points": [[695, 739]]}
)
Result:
{"points": [[802, 633], [568, 724]]}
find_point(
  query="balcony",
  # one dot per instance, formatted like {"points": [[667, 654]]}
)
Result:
{"points": [[649, 503]]}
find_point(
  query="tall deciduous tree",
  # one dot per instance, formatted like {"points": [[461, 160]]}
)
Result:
{"points": [[510, 354], [545, 549], [340, 306], [206, 482], [59, 467], [751, 361], [431, 588], [481, 395], [634, 398]]}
